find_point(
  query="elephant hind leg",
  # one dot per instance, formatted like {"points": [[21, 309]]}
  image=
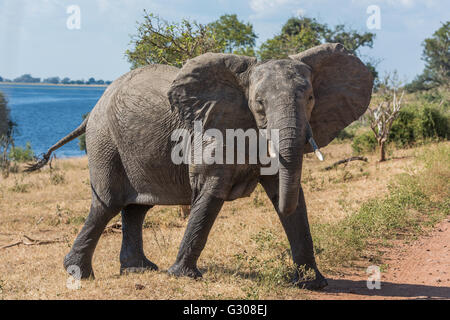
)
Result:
{"points": [[132, 257], [80, 256]]}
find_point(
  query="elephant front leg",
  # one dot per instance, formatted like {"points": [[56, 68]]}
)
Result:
{"points": [[132, 257], [204, 211], [297, 230]]}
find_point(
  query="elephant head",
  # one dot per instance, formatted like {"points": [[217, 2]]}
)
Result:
{"points": [[319, 91]]}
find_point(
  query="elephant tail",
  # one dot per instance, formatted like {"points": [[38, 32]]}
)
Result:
{"points": [[46, 157]]}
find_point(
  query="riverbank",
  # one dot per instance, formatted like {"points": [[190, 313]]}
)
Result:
{"points": [[45, 113]]}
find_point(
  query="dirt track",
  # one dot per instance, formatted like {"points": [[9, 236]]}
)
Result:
{"points": [[420, 270]]}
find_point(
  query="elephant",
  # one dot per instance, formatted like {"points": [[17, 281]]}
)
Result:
{"points": [[307, 97]]}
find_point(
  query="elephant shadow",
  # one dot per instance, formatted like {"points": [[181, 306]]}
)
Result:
{"points": [[388, 289], [357, 287]]}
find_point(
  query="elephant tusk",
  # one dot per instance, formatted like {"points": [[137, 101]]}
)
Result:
{"points": [[316, 149], [312, 142]]}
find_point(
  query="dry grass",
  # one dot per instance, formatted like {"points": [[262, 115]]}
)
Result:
{"points": [[246, 256]]}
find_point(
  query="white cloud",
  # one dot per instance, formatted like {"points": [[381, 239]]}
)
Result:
{"points": [[408, 4], [263, 5], [300, 13], [264, 8]]}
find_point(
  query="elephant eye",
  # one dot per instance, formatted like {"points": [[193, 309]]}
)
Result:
{"points": [[311, 97], [259, 104]]}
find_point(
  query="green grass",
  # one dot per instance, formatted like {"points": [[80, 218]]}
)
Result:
{"points": [[415, 201]]}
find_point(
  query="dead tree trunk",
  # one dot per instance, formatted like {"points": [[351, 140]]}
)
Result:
{"points": [[381, 120], [381, 144]]}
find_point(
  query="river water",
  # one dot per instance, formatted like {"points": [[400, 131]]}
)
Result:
{"points": [[44, 114]]}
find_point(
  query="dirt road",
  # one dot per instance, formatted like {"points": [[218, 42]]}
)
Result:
{"points": [[419, 270]]}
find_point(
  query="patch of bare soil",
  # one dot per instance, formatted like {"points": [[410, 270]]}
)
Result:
{"points": [[418, 270]]}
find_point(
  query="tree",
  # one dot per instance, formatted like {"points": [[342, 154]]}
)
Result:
{"points": [[158, 41], [236, 36], [91, 81], [6, 132], [1, 79], [52, 80], [300, 34], [351, 39], [297, 35], [436, 54], [27, 78], [383, 116], [163, 42], [65, 80]]}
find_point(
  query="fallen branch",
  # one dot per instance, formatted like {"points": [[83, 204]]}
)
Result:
{"points": [[334, 165], [27, 241], [11, 245], [116, 227]]}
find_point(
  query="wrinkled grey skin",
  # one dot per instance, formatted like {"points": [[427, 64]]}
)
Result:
{"points": [[129, 145]]}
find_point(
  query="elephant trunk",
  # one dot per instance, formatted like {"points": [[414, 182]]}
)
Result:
{"points": [[291, 143]]}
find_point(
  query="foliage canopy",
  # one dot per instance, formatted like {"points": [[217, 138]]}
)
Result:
{"points": [[436, 54], [299, 34], [162, 42]]}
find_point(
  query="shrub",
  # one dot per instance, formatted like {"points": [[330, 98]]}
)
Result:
{"points": [[417, 125], [345, 135], [20, 154], [364, 142], [402, 131], [413, 125], [432, 123], [7, 127]]}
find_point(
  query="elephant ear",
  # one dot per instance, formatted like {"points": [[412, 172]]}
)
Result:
{"points": [[342, 87], [211, 88]]}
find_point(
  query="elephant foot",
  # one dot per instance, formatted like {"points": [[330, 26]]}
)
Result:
{"points": [[308, 283], [138, 266], [180, 270], [78, 266]]}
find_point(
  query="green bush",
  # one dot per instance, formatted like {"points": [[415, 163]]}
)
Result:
{"points": [[402, 130], [413, 125], [20, 154], [418, 125], [432, 96], [345, 134], [432, 123], [364, 142]]}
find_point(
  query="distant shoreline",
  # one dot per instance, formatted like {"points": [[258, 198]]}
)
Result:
{"points": [[54, 84]]}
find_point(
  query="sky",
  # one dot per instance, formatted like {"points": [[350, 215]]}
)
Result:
{"points": [[38, 36]]}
